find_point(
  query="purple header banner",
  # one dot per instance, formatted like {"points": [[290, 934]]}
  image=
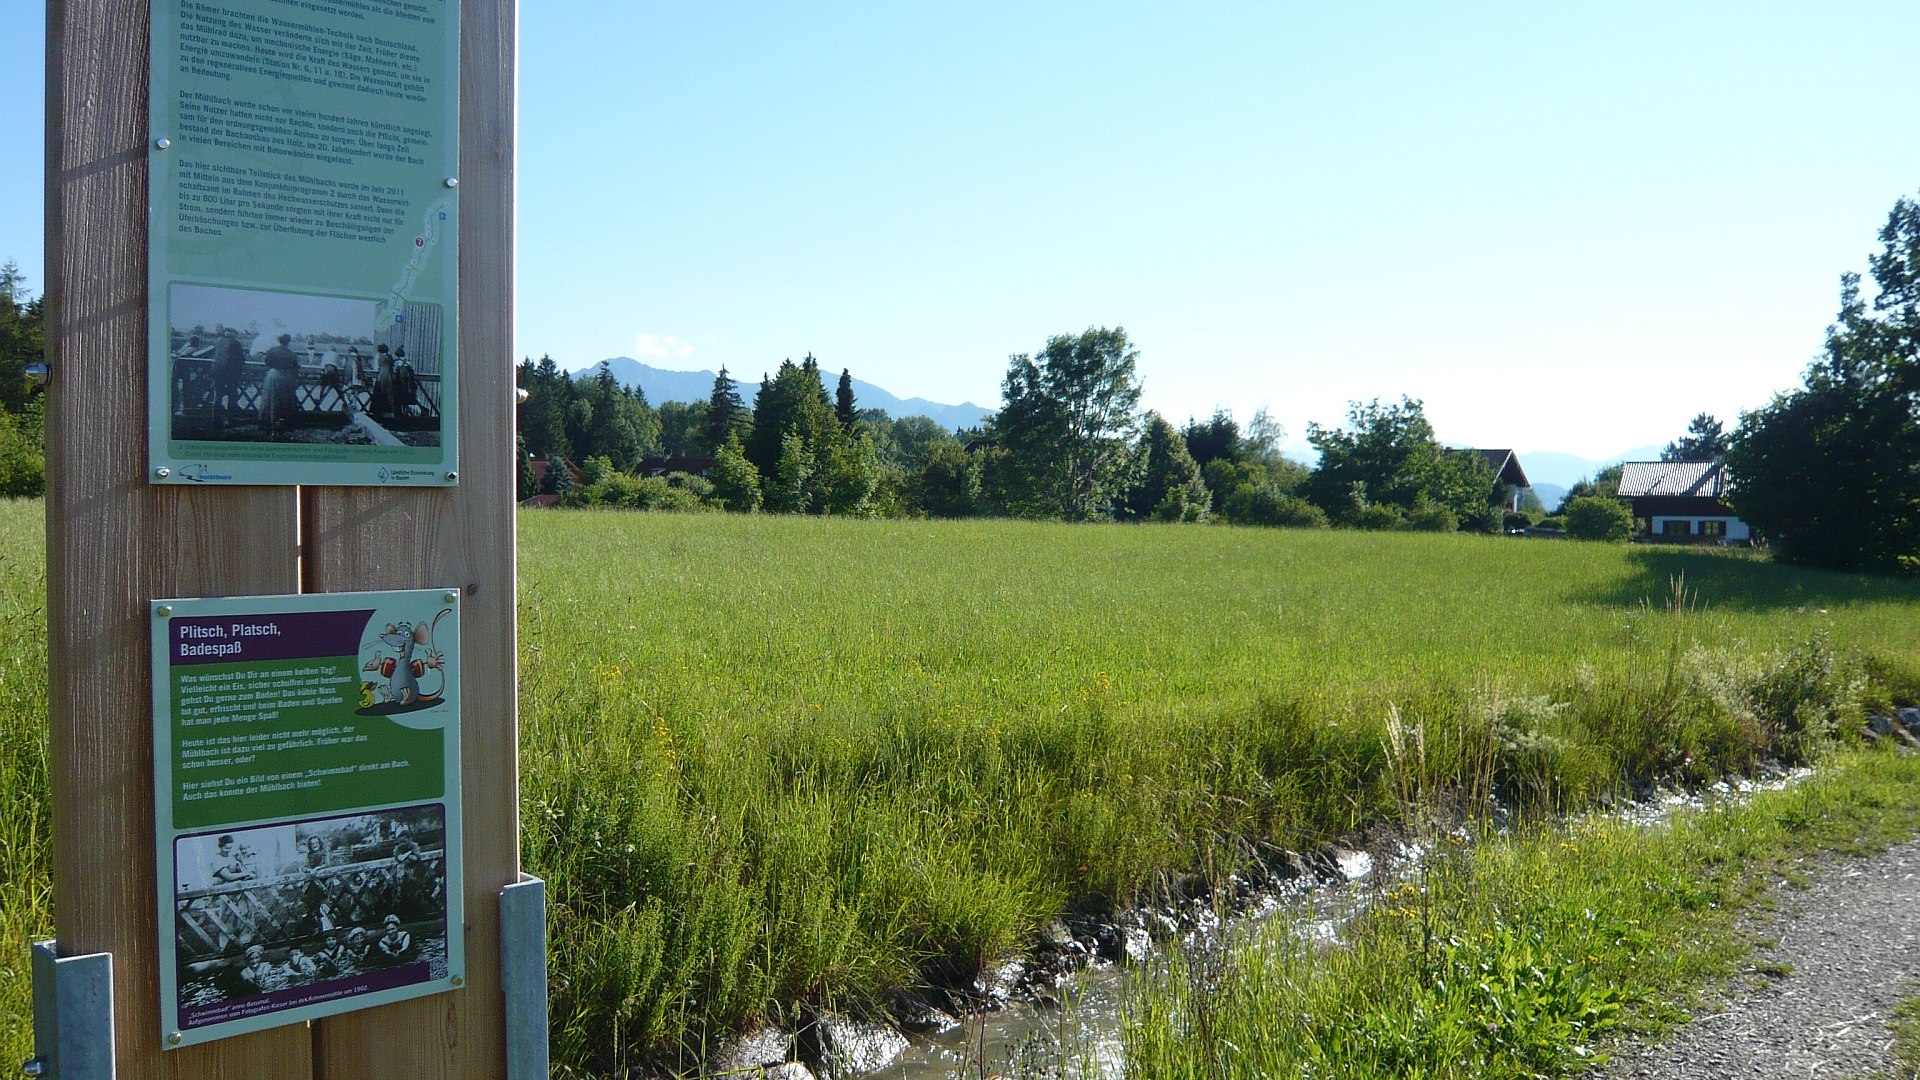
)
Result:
{"points": [[293, 635]]}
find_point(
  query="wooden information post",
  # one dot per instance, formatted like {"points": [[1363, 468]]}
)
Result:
{"points": [[118, 541]]}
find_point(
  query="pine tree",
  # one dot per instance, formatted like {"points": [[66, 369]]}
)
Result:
{"points": [[727, 416], [843, 403]]}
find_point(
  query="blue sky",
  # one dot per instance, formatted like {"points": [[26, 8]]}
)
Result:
{"points": [[1564, 227]]}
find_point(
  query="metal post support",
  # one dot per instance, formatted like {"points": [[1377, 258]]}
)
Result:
{"points": [[72, 1015], [523, 976]]}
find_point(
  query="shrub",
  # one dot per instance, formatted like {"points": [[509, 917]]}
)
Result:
{"points": [[1596, 517], [1379, 516], [1432, 517]]}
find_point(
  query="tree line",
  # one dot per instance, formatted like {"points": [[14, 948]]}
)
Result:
{"points": [[23, 467], [1069, 442]]}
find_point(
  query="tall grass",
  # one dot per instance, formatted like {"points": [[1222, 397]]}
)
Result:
{"points": [[26, 909], [1524, 957], [781, 764], [772, 766]]}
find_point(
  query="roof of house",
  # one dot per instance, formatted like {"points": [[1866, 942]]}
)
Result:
{"points": [[1692, 479], [1505, 464]]}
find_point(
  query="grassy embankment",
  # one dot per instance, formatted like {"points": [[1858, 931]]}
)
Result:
{"points": [[769, 761], [1525, 956]]}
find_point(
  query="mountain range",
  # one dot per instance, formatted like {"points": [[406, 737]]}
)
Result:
{"points": [[661, 385]]}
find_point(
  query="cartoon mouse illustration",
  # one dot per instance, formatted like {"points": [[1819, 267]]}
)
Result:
{"points": [[403, 672]]}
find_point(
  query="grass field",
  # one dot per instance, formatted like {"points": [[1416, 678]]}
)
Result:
{"points": [[778, 763]]}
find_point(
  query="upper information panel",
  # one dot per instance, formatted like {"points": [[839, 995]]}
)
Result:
{"points": [[303, 261]]}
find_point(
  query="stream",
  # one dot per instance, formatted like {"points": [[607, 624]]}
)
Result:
{"points": [[1081, 1040]]}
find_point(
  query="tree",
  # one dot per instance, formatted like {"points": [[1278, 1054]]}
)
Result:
{"points": [[1598, 517], [1068, 423], [1831, 471], [1705, 440], [786, 491], [736, 483], [1213, 440], [949, 483], [612, 428], [543, 416], [843, 399], [525, 484], [1387, 457], [683, 428], [727, 416], [792, 402], [1170, 488], [1605, 482]]}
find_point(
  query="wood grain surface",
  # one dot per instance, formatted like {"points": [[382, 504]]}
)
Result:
{"points": [[114, 543]]}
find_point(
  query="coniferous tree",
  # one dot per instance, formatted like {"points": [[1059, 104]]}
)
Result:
{"points": [[843, 402], [1706, 440], [727, 416], [1170, 488]]}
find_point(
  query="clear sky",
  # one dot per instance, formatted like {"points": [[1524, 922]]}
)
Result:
{"points": [[1564, 226]]}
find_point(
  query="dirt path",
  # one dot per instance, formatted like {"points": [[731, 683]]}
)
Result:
{"points": [[1850, 946]]}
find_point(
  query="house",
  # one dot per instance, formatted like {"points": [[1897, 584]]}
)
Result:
{"points": [[1682, 501], [1506, 467], [661, 465]]}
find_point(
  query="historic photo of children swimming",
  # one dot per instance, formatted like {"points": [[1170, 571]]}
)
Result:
{"points": [[282, 916], [251, 366]]}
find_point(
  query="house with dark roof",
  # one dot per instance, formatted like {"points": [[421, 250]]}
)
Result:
{"points": [[1506, 467], [1682, 501]]}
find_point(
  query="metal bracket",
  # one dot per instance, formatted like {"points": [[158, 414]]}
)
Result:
{"points": [[72, 1015], [523, 976]]}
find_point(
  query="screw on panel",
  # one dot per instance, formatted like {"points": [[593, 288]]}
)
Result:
{"points": [[452, 476], [457, 981], [163, 611], [175, 1039], [450, 597], [163, 472], [163, 143], [453, 181]]}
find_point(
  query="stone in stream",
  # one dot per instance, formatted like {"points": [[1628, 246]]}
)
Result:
{"points": [[759, 1049], [788, 1070], [843, 1046], [1909, 717], [923, 1019]]}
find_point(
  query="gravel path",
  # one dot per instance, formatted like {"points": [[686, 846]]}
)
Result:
{"points": [[1850, 944]]}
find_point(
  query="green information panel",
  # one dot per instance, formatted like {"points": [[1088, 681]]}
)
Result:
{"points": [[302, 262], [307, 796]]}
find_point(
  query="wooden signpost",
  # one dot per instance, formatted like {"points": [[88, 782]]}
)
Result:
{"points": [[118, 541]]}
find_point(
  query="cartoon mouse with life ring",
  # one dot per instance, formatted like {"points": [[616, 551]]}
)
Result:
{"points": [[404, 670]]}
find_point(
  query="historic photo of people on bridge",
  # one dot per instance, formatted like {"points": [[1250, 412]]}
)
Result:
{"points": [[253, 366], [287, 915]]}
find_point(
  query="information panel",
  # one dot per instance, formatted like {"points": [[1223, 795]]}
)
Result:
{"points": [[307, 800], [302, 254]]}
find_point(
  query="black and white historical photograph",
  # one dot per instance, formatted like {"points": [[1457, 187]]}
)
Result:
{"points": [[253, 366], [260, 912]]}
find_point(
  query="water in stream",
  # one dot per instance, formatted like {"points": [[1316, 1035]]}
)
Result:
{"points": [[1082, 1040]]}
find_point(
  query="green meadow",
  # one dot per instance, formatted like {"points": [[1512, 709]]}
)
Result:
{"points": [[772, 765]]}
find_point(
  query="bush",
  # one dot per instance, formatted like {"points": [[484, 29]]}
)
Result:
{"points": [[1597, 517], [1510, 521], [23, 468], [1379, 516], [1432, 517]]}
